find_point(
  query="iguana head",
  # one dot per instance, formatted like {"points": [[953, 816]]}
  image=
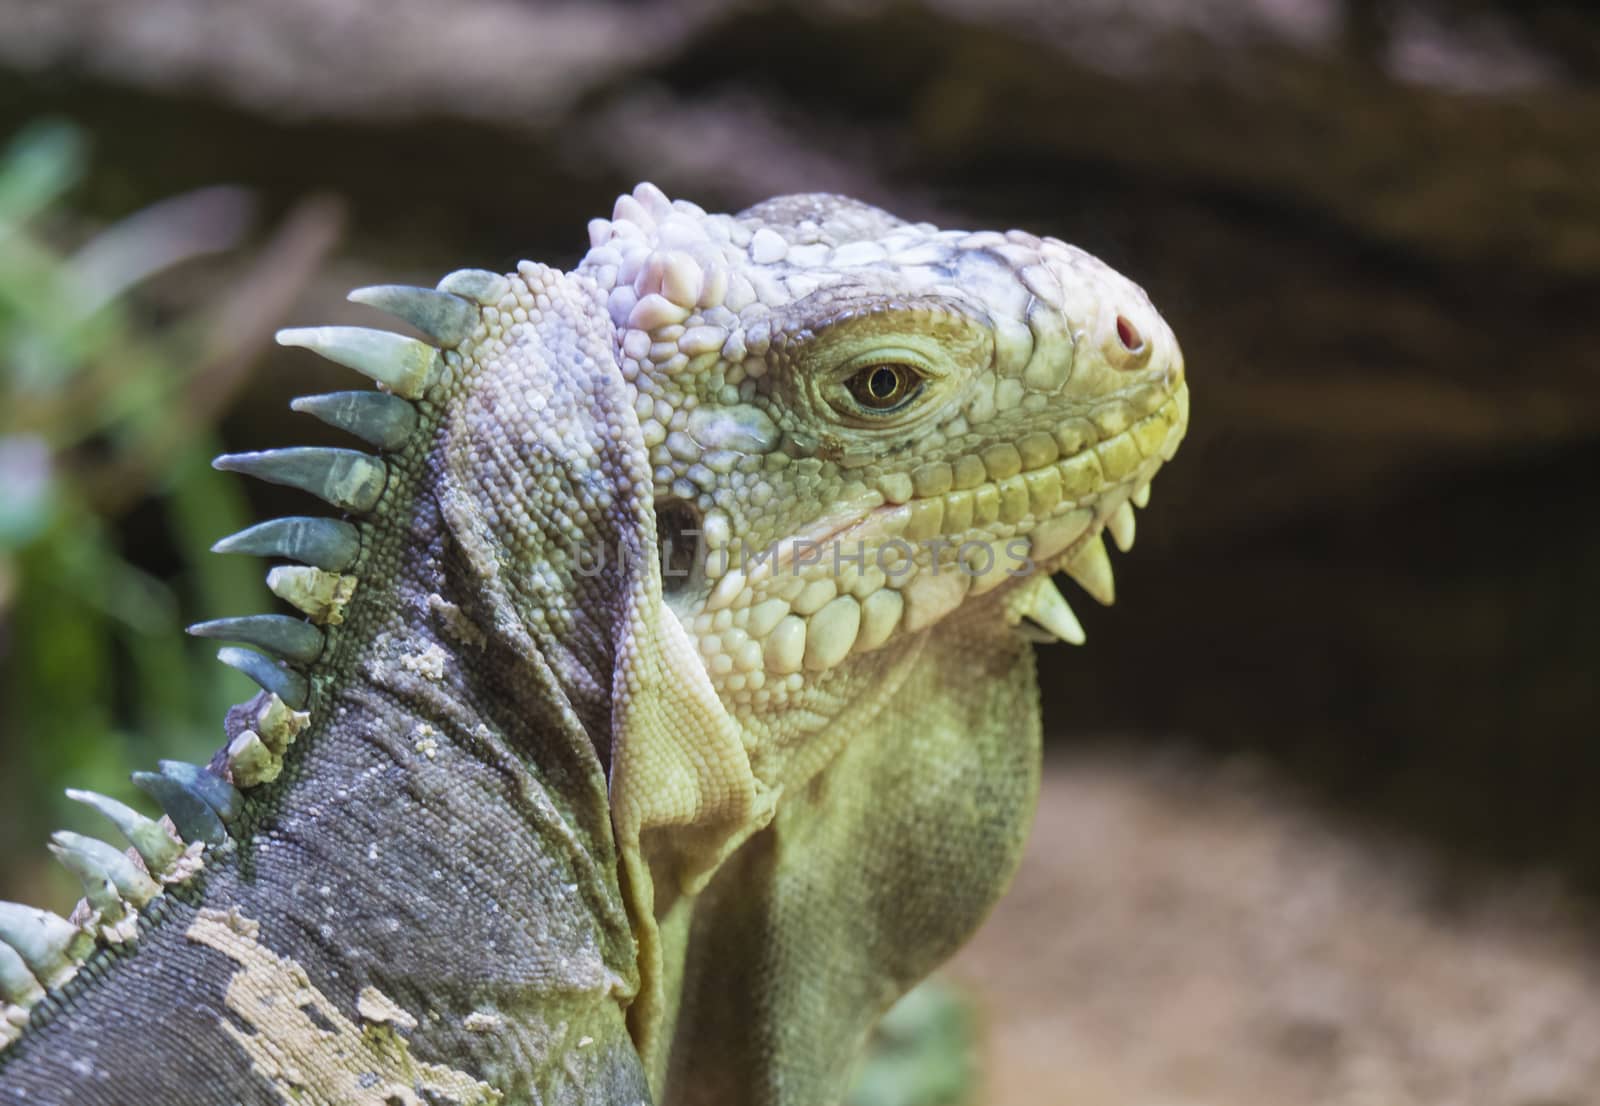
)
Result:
{"points": [[860, 426]]}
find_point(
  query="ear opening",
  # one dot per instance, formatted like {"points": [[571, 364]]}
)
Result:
{"points": [[681, 546]]}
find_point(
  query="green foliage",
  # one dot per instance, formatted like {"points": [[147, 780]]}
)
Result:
{"points": [[97, 418], [923, 1053]]}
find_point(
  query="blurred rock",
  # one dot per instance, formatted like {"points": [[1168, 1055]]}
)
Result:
{"points": [[1179, 934]]}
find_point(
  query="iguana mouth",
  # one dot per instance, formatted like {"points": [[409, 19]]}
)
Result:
{"points": [[948, 532], [1056, 488], [1038, 485]]}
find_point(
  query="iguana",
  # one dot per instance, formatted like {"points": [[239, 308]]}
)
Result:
{"points": [[664, 705]]}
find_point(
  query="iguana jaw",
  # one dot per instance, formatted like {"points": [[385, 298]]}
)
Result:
{"points": [[995, 541]]}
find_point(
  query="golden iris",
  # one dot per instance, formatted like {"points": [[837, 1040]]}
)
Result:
{"points": [[884, 387]]}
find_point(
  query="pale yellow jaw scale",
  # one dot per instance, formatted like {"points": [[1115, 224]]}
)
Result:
{"points": [[764, 626]]}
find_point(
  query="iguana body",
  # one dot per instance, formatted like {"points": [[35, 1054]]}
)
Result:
{"points": [[538, 815]]}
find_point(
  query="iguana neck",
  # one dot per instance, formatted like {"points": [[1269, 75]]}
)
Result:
{"points": [[439, 842], [869, 876]]}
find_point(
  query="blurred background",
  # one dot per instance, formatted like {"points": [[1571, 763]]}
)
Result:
{"points": [[1320, 819]]}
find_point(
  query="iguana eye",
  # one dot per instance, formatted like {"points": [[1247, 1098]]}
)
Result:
{"points": [[885, 386]]}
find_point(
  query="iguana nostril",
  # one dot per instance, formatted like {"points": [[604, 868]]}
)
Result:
{"points": [[1129, 335], [1126, 349]]}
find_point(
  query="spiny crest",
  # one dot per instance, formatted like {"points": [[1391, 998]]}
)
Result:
{"points": [[40, 951]]}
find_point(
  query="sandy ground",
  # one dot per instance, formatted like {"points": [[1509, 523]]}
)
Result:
{"points": [[1196, 936]]}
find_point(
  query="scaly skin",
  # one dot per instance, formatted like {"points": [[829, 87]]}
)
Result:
{"points": [[562, 828]]}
